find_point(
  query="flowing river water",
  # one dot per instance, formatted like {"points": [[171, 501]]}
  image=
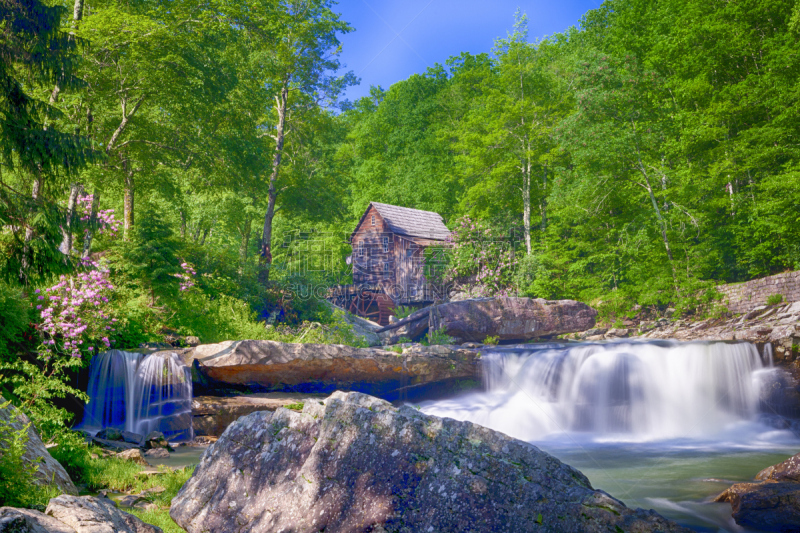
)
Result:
{"points": [[659, 425]]}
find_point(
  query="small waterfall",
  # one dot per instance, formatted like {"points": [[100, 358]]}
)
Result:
{"points": [[623, 390], [138, 393]]}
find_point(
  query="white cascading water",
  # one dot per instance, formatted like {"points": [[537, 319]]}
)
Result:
{"points": [[629, 391], [138, 393]]}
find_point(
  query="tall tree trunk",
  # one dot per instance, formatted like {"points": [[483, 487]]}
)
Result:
{"points": [[183, 224], [266, 236], [66, 229], [128, 203], [244, 243], [87, 239], [208, 231], [661, 222], [77, 15], [77, 11], [26, 249], [526, 197], [544, 200]]}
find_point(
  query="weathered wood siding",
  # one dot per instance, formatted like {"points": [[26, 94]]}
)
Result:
{"points": [[370, 256], [410, 275]]}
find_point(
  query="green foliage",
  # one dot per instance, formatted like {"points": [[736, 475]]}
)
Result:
{"points": [[337, 331], [14, 320], [98, 473], [402, 311], [18, 488], [775, 299], [403, 340], [216, 319], [700, 299], [36, 386], [36, 53], [491, 341], [438, 337], [295, 406], [533, 279], [151, 257], [157, 517]]}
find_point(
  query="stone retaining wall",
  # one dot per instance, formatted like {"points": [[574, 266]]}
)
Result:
{"points": [[744, 297]]}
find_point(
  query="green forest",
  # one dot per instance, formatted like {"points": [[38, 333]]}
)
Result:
{"points": [[191, 168]]}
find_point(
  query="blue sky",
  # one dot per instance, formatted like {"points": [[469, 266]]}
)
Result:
{"points": [[397, 38]]}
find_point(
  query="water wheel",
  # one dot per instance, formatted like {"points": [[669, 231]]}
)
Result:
{"points": [[372, 305]]}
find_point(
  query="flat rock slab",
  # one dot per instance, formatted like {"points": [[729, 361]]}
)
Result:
{"points": [[49, 470], [267, 366], [355, 463], [211, 415]]}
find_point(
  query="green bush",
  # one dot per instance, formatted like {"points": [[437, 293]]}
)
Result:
{"points": [[438, 337], [491, 341], [533, 279], [18, 487], [14, 319], [216, 319], [337, 331], [775, 299], [402, 311]]}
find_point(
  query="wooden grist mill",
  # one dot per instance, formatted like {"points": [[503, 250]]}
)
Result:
{"points": [[388, 261]]}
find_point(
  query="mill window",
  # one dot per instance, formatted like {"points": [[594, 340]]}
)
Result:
{"points": [[386, 245], [373, 220]]}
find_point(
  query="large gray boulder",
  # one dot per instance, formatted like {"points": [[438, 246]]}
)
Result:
{"points": [[269, 366], [49, 470], [514, 319], [356, 463], [508, 319], [73, 514]]}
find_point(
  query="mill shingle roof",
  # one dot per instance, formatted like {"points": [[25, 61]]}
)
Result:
{"points": [[412, 222]]}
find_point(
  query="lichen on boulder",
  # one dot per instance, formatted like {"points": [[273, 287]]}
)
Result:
{"points": [[356, 463]]}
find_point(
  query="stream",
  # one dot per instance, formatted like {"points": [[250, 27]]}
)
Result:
{"points": [[659, 425]]}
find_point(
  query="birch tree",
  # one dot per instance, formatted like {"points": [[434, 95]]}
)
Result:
{"points": [[301, 74]]}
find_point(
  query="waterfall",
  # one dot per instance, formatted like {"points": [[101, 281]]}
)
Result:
{"points": [[140, 394], [623, 390]]}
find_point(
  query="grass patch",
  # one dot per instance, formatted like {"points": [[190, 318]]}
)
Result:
{"points": [[296, 406], [98, 473], [158, 518], [775, 299]]}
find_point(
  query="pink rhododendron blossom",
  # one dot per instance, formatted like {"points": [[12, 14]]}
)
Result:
{"points": [[186, 277], [79, 303]]}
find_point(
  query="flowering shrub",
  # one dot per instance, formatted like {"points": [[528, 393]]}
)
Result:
{"points": [[186, 277], [482, 259], [75, 319], [107, 222]]}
